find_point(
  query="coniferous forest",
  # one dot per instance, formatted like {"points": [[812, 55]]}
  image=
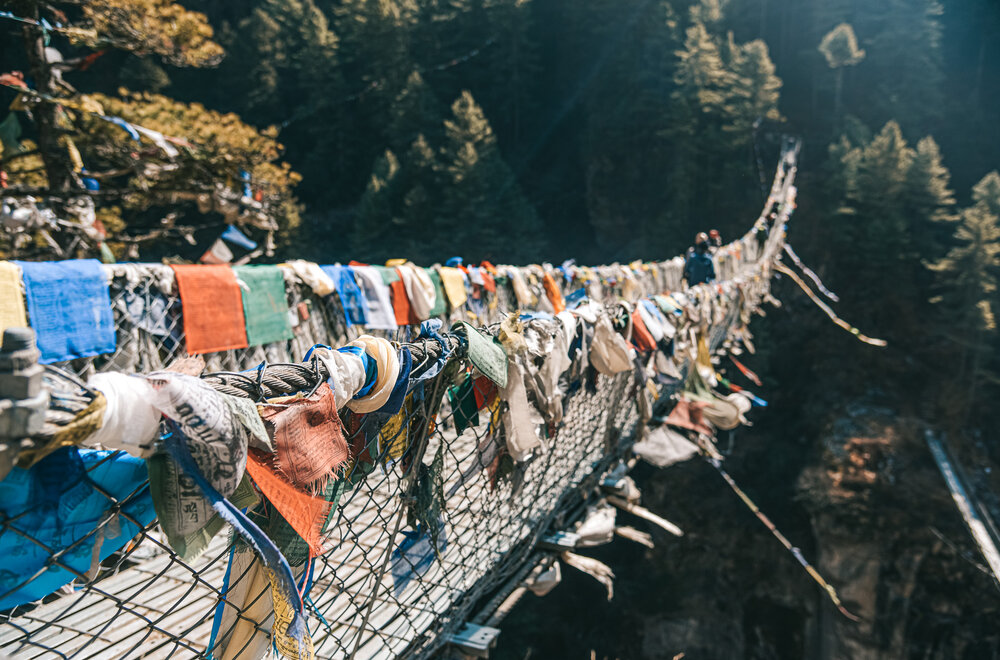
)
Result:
{"points": [[522, 131]]}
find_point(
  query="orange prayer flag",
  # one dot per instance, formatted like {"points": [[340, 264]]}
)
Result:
{"points": [[553, 294], [212, 308], [642, 338], [303, 512], [401, 303]]}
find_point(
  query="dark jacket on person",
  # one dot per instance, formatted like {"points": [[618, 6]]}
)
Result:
{"points": [[699, 268]]}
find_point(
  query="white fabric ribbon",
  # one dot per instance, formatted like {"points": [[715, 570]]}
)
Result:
{"points": [[130, 422], [312, 275]]}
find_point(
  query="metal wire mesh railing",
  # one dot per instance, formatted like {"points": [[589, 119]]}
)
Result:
{"points": [[431, 516]]}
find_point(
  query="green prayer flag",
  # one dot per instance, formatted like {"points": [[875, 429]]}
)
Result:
{"points": [[264, 304], [485, 353], [463, 404], [10, 135], [389, 275], [440, 303]]}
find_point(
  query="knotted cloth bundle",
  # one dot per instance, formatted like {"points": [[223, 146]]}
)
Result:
{"points": [[387, 362]]}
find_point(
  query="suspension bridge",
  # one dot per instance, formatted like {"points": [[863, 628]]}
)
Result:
{"points": [[439, 517]]}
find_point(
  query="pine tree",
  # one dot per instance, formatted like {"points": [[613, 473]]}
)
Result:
{"points": [[375, 216], [397, 210], [375, 42], [900, 42], [840, 48], [930, 200], [967, 282], [483, 208], [722, 89], [892, 211], [416, 111], [284, 50]]}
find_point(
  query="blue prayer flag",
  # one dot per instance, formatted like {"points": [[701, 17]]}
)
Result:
{"points": [[236, 237], [351, 296], [69, 308]]}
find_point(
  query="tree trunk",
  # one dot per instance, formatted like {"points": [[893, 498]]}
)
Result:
{"points": [[57, 165], [838, 89]]}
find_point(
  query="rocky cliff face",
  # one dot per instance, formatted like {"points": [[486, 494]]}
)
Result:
{"points": [[862, 499]]}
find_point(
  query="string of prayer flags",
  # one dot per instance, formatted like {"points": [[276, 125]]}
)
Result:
{"points": [[265, 306], [810, 274], [212, 304], [781, 268], [795, 552], [69, 307]]}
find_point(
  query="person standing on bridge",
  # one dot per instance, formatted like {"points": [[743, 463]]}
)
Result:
{"points": [[699, 268], [714, 241]]}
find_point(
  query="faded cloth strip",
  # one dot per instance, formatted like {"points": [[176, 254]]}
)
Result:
{"points": [[687, 415], [12, 313], [84, 425], [312, 275], [212, 306], [440, 300], [754, 378], [219, 447], [453, 281], [285, 643], [70, 308], [387, 366], [552, 293], [246, 415], [284, 581], [594, 568], [401, 305], [305, 513], [379, 312], [308, 437], [420, 290], [780, 267], [810, 274], [264, 304]]}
